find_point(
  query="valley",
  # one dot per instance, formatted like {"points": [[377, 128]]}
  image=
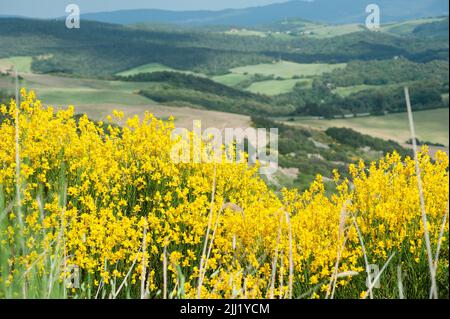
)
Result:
{"points": [[431, 125], [293, 71]]}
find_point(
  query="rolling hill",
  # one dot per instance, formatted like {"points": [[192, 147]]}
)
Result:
{"points": [[329, 11]]}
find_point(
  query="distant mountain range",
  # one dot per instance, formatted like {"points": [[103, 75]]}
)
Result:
{"points": [[327, 11]]}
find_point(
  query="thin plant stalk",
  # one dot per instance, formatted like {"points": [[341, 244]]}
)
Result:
{"points": [[275, 260], [438, 249], [205, 245], [291, 257], [144, 261], [422, 199], [377, 278], [165, 273], [366, 260]]}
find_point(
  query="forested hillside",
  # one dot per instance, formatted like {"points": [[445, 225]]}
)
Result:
{"points": [[329, 11], [284, 70], [57, 49]]}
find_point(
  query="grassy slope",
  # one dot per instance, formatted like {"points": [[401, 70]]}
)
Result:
{"points": [[321, 31], [99, 98], [152, 67], [146, 68], [431, 125], [231, 79], [328, 31], [245, 33], [20, 63], [407, 27], [275, 87], [287, 70], [80, 96], [348, 90], [61, 90]]}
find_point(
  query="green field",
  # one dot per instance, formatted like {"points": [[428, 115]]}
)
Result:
{"points": [[98, 98], [146, 68], [431, 125], [21, 63], [406, 27], [246, 33], [327, 31], [275, 87], [445, 99], [287, 70], [231, 79], [59, 90], [80, 96], [153, 67], [348, 90]]}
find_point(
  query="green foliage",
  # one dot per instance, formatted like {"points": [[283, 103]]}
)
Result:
{"points": [[287, 70], [420, 142], [424, 95], [4, 96], [314, 152], [321, 101], [364, 46], [350, 137], [387, 72], [99, 49], [4, 99], [255, 78], [171, 95], [433, 29], [103, 50], [172, 88], [188, 81]]}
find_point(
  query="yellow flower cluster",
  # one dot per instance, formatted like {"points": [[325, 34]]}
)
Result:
{"points": [[119, 209]]}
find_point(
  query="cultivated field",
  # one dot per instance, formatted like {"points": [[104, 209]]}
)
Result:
{"points": [[63, 90], [231, 79], [246, 33], [431, 125], [276, 87], [184, 116], [328, 31], [287, 70], [21, 64], [348, 90], [152, 67], [406, 27], [146, 68], [99, 98]]}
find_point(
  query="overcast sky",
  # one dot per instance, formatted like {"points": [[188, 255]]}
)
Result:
{"points": [[56, 8]]}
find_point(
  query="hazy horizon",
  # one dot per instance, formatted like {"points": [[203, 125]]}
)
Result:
{"points": [[56, 8]]}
